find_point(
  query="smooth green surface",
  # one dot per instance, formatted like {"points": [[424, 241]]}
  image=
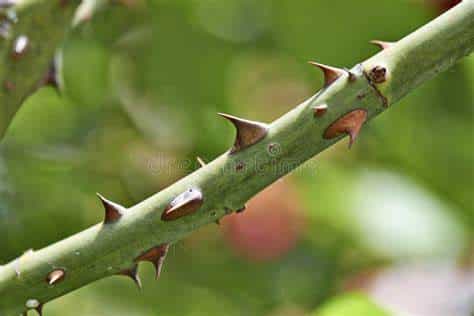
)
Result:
{"points": [[351, 304]]}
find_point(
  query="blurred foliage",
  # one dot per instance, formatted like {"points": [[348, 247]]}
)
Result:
{"points": [[353, 304], [141, 86]]}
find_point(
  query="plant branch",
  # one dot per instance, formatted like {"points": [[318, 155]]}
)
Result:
{"points": [[31, 31], [261, 154]]}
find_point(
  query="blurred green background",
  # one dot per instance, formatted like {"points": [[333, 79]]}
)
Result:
{"points": [[384, 229]]}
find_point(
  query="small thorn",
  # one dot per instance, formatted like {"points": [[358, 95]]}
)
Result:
{"points": [[240, 210], [201, 162], [331, 74], [133, 274], [184, 204], [248, 132], [381, 44], [349, 124], [156, 256], [113, 211], [55, 276], [320, 110]]}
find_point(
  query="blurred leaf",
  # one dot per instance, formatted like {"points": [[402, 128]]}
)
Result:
{"points": [[350, 304]]}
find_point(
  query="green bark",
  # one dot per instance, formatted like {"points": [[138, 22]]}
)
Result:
{"points": [[229, 181]]}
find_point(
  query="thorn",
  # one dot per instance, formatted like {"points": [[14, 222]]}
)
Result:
{"points": [[248, 132], [320, 110], [331, 74], [133, 274], [184, 204], [156, 256], [201, 162], [113, 211], [218, 221], [350, 124], [381, 44], [240, 210], [55, 276]]}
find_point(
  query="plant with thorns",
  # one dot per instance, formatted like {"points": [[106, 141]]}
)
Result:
{"points": [[144, 232]]}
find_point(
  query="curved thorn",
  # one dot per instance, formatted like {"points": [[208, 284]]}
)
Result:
{"points": [[184, 204], [381, 44], [350, 124], [331, 74], [113, 211], [201, 162], [248, 132], [156, 256], [133, 274], [240, 210]]}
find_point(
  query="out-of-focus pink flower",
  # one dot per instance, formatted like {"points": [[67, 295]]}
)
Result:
{"points": [[269, 227]]}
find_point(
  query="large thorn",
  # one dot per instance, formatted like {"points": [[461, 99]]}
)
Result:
{"points": [[113, 211], [184, 204], [331, 74], [381, 44], [350, 124], [133, 274], [156, 256], [248, 132]]}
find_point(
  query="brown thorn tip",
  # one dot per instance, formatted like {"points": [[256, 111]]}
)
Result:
{"points": [[320, 110], [331, 74], [201, 162], [113, 211], [184, 204], [133, 274], [55, 276], [248, 132], [156, 256], [240, 210], [381, 44], [350, 123]]}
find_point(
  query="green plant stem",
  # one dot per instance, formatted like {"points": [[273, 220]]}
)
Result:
{"points": [[44, 23], [106, 249]]}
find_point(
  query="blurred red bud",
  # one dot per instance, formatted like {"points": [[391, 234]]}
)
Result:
{"points": [[269, 227]]}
